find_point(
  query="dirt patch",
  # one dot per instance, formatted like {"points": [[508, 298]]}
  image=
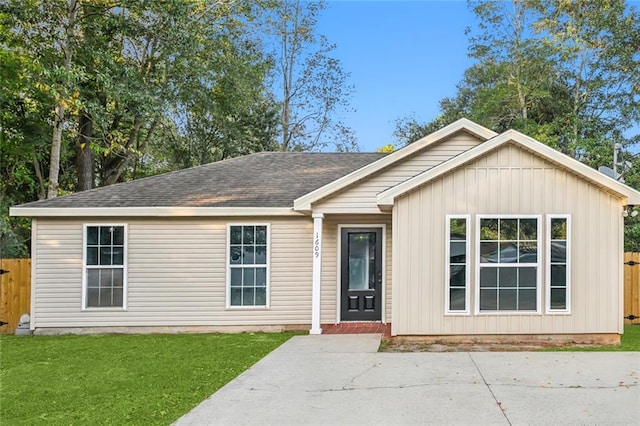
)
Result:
{"points": [[398, 345]]}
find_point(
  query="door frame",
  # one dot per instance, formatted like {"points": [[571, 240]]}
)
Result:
{"points": [[383, 313]]}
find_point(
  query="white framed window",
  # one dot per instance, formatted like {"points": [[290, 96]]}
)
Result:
{"points": [[104, 278], [248, 266], [558, 266], [457, 271], [508, 264]]}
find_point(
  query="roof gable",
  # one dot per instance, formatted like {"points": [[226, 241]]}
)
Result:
{"points": [[387, 198], [304, 203]]}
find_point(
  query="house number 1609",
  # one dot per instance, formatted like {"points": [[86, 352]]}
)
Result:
{"points": [[316, 246]]}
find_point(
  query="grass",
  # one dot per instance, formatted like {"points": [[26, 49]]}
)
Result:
{"points": [[630, 342], [119, 379]]}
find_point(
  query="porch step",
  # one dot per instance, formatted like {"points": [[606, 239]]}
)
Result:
{"points": [[357, 328]]}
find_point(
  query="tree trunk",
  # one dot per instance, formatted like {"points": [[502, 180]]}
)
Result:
{"points": [[113, 174], [84, 155]]}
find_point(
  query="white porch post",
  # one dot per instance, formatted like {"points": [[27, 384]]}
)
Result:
{"points": [[318, 219]]}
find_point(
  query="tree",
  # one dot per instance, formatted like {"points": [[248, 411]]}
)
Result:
{"points": [[313, 86]]}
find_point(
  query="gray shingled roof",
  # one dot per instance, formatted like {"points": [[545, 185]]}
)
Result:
{"points": [[266, 179]]}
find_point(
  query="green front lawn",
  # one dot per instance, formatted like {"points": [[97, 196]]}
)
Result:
{"points": [[119, 379]]}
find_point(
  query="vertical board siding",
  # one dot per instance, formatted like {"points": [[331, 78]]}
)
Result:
{"points": [[330, 252], [15, 292], [361, 197], [509, 180], [176, 274]]}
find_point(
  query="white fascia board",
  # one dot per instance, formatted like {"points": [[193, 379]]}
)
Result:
{"points": [[387, 197], [150, 211], [304, 203]]}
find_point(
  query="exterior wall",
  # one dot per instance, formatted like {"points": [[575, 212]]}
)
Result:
{"points": [[507, 181], [176, 274], [330, 262], [361, 197]]}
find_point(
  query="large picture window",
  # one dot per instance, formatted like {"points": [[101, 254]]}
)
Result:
{"points": [[558, 268], [508, 264], [104, 266], [457, 268], [248, 265]]}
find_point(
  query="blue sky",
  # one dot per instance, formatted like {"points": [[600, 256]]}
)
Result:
{"points": [[403, 57]]}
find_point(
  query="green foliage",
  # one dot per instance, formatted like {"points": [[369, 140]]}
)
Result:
{"points": [[120, 379]]}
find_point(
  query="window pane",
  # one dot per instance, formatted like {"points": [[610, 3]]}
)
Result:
{"points": [[528, 252], [236, 277], [248, 296], [105, 297], [118, 235], [117, 297], [118, 277], [235, 254], [92, 235], [527, 300], [106, 278], [92, 255], [559, 252], [458, 229], [261, 255], [507, 300], [489, 229], [93, 297], [248, 277], [558, 275], [558, 229], [507, 277], [105, 255], [558, 298], [509, 229], [236, 235], [457, 275], [118, 256], [236, 296], [489, 252], [488, 300], [261, 235], [248, 257], [93, 278], [248, 234], [261, 277], [527, 277], [488, 277], [105, 235], [457, 299], [528, 229], [458, 252], [261, 296], [508, 252]]}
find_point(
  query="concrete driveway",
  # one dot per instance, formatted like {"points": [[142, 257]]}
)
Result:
{"points": [[342, 379]]}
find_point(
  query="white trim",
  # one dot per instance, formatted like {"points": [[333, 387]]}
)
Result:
{"points": [[387, 197], [150, 211], [125, 262], [228, 305], [316, 282], [304, 203], [447, 301], [547, 286], [538, 265], [34, 283], [383, 317]]}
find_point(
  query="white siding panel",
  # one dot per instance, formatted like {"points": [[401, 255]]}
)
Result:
{"points": [[176, 274], [507, 181], [361, 197]]}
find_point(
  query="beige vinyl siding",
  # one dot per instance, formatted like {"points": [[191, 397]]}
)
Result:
{"points": [[330, 261], [176, 274], [509, 180], [361, 197]]}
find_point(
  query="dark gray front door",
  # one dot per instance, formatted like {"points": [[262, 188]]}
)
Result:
{"points": [[361, 274]]}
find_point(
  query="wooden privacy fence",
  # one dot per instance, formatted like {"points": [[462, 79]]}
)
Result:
{"points": [[632, 288], [15, 292]]}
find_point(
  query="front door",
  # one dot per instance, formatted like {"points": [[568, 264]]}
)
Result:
{"points": [[361, 274]]}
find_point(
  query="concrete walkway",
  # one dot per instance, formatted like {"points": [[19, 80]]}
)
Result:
{"points": [[342, 379]]}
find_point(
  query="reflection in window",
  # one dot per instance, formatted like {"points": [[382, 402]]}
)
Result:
{"points": [[248, 265], [508, 264], [457, 264], [558, 255]]}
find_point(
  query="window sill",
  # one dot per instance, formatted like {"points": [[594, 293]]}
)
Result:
{"points": [[105, 309], [247, 308]]}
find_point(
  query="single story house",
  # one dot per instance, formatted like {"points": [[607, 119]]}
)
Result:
{"points": [[463, 233]]}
